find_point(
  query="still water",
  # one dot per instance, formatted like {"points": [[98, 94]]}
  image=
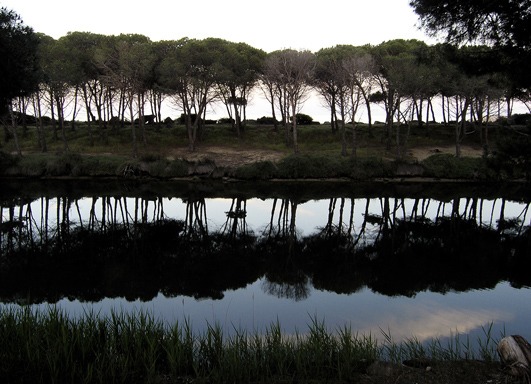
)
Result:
{"points": [[411, 263]]}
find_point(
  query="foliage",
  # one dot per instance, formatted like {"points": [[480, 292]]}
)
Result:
{"points": [[265, 120], [450, 167], [369, 168], [504, 23], [512, 158], [261, 170], [303, 119], [302, 166], [6, 161], [18, 64], [47, 346]]}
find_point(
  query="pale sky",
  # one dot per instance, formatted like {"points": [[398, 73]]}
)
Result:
{"points": [[269, 25]]}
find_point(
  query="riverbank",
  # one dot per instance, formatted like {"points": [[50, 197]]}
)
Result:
{"points": [[48, 346], [261, 153], [215, 164]]}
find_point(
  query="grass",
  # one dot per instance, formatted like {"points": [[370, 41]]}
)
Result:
{"points": [[110, 153], [48, 347]]}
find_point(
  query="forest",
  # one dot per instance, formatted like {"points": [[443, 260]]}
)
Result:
{"points": [[107, 82]]}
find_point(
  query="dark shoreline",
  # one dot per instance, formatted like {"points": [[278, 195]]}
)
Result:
{"points": [[301, 189]]}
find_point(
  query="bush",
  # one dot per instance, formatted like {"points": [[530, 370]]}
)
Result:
{"points": [[168, 122], [369, 168], [308, 166], [150, 157], [69, 164], [6, 161], [225, 120], [177, 168], [266, 120], [303, 119], [450, 167], [512, 158], [520, 119], [262, 170]]}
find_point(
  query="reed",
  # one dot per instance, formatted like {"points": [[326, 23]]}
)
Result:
{"points": [[48, 346]]}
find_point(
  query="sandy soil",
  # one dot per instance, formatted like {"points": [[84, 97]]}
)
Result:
{"points": [[229, 157], [226, 157], [466, 151]]}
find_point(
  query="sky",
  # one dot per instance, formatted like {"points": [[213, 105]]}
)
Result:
{"points": [[268, 25]]}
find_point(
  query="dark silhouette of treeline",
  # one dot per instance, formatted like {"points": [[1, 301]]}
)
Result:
{"points": [[130, 248]]}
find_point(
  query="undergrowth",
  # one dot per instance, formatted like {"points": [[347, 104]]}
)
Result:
{"points": [[45, 346]]}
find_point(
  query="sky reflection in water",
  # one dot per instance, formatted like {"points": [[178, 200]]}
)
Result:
{"points": [[425, 316]]}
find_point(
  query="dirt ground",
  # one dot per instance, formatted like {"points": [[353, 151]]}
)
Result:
{"points": [[228, 157], [452, 372], [466, 151]]}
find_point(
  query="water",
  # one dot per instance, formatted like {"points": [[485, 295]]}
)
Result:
{"points": [[404, 264]]}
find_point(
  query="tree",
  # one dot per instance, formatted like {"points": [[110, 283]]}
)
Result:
{"points": [[343, 77], [129, 68], [238, 74], [81, 48], [503, 22], [394, 59], [188, 74], [289, 75], [58, 77], [18, 63]]}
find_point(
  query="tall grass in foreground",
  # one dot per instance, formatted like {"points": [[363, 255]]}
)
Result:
{"points": [[50, 347]]}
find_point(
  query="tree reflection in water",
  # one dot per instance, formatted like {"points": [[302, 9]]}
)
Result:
{"points": [[129, 247]]}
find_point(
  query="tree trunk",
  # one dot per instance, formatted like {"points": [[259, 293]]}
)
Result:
{"points": [[343, 131], [369, 117], [23, 109], [294, 124], [133, 130], [14, 130], [140, 99], [460, 128], [52, 111], [74, 113], [354, 140], [40, 127], [60, 119], [192, 131], [89, 115], [275, 122]]}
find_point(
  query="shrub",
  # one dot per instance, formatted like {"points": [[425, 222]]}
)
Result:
{"points": [[150, 157], [177, 168], [266, 120], [449, 166], [520, 119], [69, 164], [303, 119], [6, 161], [369, 168], [261, 170], [308, 166], [225, 120], [511, 158]]}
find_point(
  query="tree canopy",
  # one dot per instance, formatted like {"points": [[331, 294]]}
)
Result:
{"points": [[18, 66], [504, 23]]}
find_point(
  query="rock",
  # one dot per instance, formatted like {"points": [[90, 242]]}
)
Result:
{"points": [[515, 355], [383, 369], [418, 363]]}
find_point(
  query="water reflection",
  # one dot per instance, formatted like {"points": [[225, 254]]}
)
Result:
{"points": [[399, 262]]}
